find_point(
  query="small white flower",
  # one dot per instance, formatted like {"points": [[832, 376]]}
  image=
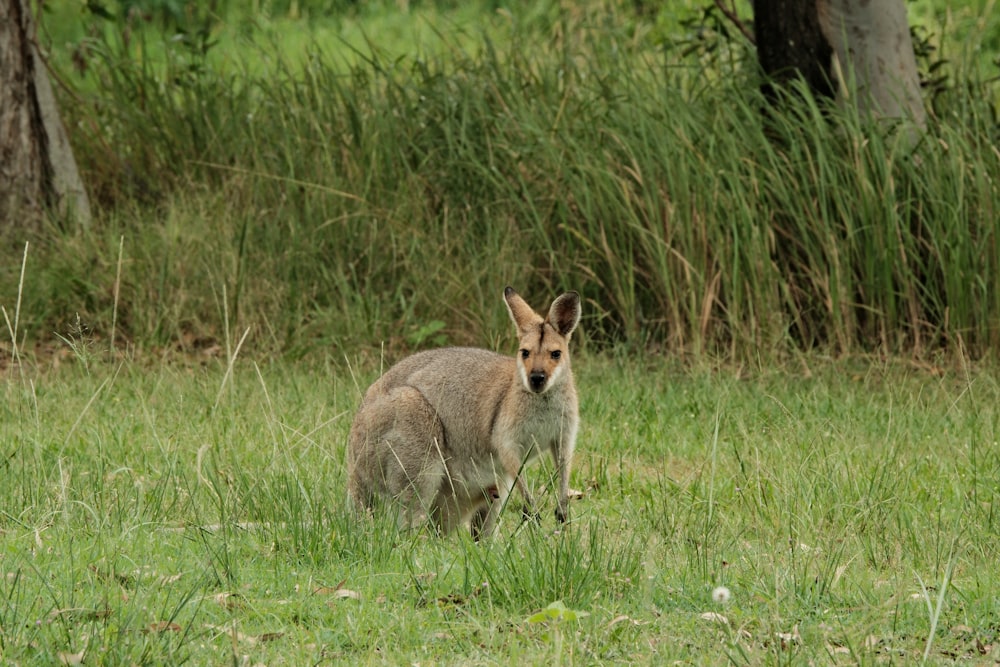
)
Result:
{"points": [[721, 595]]}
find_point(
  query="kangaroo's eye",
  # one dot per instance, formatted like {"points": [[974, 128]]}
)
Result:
{"points": [[556, 354], [525, 354]]}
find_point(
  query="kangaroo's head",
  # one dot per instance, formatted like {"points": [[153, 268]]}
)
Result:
{"points": [[543, 357]]}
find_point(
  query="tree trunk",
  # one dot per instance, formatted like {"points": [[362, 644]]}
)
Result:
{"points": [[791, 44], [874, 60], [37, 169], [857, 50]]}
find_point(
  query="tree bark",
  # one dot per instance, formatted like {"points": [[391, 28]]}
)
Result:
{"points": [[875, 62], [859, 51], [37, 169], [791, 44]]}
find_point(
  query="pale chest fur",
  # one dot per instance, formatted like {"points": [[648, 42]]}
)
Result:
{"points": [[539, 422]]}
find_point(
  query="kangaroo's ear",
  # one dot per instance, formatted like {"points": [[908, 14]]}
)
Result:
{"points": [[522, 314], [564, 314]]}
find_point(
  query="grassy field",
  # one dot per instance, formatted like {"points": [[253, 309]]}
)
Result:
{"points": [[786, 455], [179, 512]]}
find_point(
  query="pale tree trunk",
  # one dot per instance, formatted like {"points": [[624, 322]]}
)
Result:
{"points": [[875, 63], [37, 168], [857, 50]]}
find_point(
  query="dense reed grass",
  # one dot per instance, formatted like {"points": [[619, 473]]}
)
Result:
{"points": [[326, 202]]}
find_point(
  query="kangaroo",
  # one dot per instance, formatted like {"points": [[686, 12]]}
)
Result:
{"points": [[445, 433]]}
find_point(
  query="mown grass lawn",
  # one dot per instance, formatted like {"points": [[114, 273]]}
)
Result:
{"points": [[161, 512]]}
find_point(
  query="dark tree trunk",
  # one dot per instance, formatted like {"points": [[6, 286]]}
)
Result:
{"points": [[22, 172], [37, 169], [791, 45]]}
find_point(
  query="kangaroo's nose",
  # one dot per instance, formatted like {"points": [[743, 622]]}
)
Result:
{"points": [[537, 380]]}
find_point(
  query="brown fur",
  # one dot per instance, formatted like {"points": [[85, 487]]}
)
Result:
{"points": [[444, 433]]}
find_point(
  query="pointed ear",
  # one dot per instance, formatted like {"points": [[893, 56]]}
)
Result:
{"points": [[522, 314], [564, 314]]}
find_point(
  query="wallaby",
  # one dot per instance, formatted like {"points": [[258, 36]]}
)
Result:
{"points": [[445, 433]]}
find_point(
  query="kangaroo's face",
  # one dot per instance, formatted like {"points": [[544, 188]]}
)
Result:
{"points": [[543, 356]]}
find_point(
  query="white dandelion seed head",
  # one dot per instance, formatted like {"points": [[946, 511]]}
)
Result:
{"points": [[721, 595]]}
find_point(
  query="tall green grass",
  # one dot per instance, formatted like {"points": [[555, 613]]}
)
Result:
{"points": [[327, 202]]}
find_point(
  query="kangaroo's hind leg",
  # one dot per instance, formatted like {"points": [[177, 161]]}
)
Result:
{"points": [[412, 456], [366, 481], [484, 521]]}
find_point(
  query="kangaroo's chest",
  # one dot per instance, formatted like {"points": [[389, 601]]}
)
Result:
{"points": [[534, 428]]}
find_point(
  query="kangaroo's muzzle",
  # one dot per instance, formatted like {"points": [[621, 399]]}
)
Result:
{"points": [[537, 381]]}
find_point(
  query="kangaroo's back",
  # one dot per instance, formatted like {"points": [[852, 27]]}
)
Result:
{"points": [[440, 371], [463, 385]]}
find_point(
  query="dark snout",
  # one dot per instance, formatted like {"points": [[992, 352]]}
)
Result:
{"points": [[537, 381]]}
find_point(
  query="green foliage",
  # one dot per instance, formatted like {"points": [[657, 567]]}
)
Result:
{"points": [[558, 612], [554, 616], [345, 197]]}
